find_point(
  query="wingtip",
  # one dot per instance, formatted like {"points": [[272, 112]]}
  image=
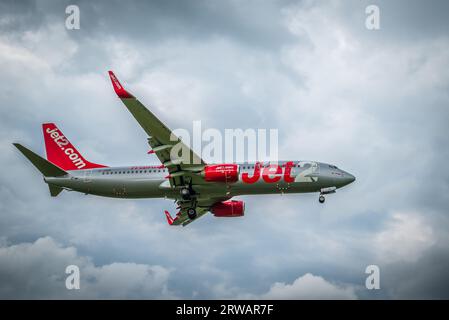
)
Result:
{"points": [[169, 217], [118, 88]]}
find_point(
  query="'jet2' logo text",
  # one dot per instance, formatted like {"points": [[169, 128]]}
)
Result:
{"points": [[62, 142], [270, 174]]}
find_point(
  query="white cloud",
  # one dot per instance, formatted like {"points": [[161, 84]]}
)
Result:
{"points": [[308, 286], [37, 270]]}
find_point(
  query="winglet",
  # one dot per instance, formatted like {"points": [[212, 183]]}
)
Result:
{"points": [[118, 88], [170, 220]]}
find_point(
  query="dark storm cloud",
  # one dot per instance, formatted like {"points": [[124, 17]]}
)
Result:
{"points": [[19, 16], [428, 278], [251, 23], [374, 103]]}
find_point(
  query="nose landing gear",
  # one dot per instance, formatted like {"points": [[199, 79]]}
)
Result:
{"points": [[324, 191], [321, 199]]}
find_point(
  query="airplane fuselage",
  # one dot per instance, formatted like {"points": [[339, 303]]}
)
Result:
{"points": [[152, 181]]}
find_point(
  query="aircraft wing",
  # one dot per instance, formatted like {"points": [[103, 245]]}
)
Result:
{"points": [[180, 160]]}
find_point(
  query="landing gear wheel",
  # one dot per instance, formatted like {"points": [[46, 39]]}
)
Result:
{"points": [[185, 193], [191, 213], [321, 199]]}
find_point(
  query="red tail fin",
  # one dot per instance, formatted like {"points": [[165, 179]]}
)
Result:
{"points": [[61, 152]]}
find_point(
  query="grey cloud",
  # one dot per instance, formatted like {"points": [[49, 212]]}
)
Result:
{"points": [[44, 263]]}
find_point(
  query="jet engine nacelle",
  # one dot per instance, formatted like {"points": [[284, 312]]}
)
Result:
{"points": [[231, 208], [227, 173]]}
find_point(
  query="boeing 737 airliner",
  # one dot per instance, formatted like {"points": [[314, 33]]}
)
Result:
{"points": [[196, 186]]}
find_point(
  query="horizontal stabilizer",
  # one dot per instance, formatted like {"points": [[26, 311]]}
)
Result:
{"points": [[47, 168], [54, 190]]}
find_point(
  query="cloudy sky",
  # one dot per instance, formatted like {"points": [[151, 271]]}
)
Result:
{"points": [[375, 103]]}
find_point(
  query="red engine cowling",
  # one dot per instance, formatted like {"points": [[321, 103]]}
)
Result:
{"points": [[231, 208], [227, 173]]}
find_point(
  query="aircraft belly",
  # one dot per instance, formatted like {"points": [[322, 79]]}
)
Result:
{"points": [[126, 188]]}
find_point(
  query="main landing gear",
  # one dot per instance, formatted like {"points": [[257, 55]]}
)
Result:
{"points": [[191, 213], [189, 201], [186, 193]]}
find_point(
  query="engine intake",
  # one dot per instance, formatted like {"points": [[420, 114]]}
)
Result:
{"points": [[230, 208], [227, 173]]}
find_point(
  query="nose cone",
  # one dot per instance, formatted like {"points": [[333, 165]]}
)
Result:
{"points": [[347, 178], [350, 178]]}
